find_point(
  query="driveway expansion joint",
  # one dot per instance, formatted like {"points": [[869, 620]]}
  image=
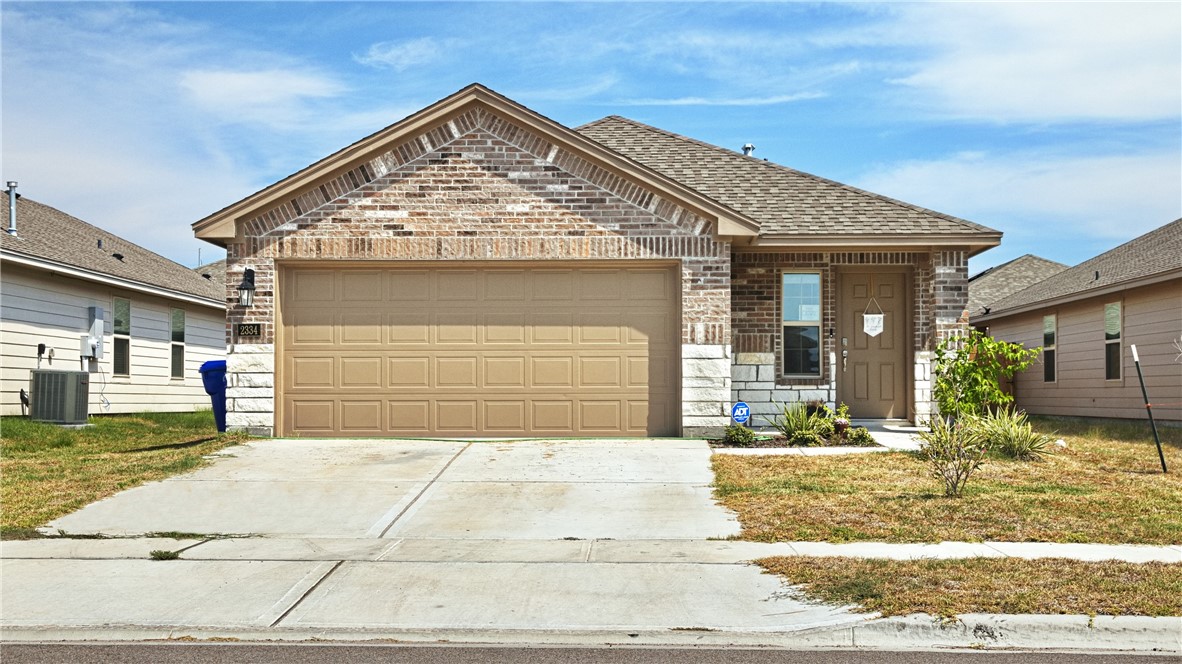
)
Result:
{"points": [[426, 488]]}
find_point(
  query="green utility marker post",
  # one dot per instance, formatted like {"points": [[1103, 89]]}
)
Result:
{"points": [[1148, 408]]}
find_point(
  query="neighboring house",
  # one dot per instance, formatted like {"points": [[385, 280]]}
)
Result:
{"points": [[1086, 317], [161, 320], [1002, 281], [479, 269]]}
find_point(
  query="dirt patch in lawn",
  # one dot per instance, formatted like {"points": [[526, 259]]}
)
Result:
{"points": [[987, 585], [1105, 487]]}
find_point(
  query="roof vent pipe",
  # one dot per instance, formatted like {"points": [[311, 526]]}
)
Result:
{"points": [[12, 208], [748, 148]]}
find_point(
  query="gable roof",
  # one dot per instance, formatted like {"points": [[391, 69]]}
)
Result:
{"points": [[791, 206], [216, 272], [358, 159], [1153, 257], [48, 238], [1004, 280]]}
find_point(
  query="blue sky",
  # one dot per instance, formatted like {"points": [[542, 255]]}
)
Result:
{"points": [[1059, 124]]}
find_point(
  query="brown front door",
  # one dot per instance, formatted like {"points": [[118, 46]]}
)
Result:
{"points": [[872, 370]]}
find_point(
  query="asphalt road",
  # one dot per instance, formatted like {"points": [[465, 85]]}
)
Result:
{"points": [[226, 653]]}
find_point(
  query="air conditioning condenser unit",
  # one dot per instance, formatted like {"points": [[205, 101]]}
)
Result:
{"points": [[60, 397]]}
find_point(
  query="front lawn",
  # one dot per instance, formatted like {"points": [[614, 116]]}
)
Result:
{"points": [[988, 585], [48, 471], [1106, 487]]}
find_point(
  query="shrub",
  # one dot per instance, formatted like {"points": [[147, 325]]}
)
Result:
{"points": [[860, 436], [969, 370], [738, 435], [954, 451], [795, 418], [806, 439], [1009, 433]]}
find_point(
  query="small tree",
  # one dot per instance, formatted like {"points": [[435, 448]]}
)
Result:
{"points": [[969, 371]]}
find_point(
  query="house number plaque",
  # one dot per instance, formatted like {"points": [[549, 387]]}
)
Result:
{"points": [[249, 329]]}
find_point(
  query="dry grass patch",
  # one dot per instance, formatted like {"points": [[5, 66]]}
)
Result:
{"points": [[987, 585], [48, 471], [1106, 487]]}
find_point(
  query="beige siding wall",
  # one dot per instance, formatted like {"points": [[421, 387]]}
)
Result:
{"points": [[38, 307], [1152, 319]]}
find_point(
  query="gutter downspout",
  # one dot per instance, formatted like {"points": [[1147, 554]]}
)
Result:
{"points": [[12, 208]]}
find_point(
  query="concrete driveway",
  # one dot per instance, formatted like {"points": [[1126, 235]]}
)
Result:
{"points": [[396, 538]]}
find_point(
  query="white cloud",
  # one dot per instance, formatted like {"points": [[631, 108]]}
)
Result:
{"points": [[403, 55], [1046, 202], [725, 101], [1043, 61], [271, 96]]}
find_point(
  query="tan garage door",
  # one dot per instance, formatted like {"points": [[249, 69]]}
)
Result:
{"points": [[479, 351]]}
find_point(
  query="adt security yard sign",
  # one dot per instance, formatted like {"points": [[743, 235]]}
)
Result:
{"points": [[740, 413]]}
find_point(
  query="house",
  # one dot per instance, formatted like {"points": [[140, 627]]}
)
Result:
{"points": [[1086, 317], [159, 320], [479, 269], [1001, 281]]}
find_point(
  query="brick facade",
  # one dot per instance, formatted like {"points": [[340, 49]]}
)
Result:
{"points": [[480, 188]]}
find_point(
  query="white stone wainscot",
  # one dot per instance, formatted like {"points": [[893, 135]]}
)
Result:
{"points": [[753, 381], [705, 389], [250, 388]]}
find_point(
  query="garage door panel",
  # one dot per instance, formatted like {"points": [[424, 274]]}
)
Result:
{"points": [[456, 415], [552, 328], [457, 327], [313, 326], [505, 285], [496, 350], [362, 417], [504, 416], [600, 416], [600, 372], [456, 372], [405, 327], [409, 417], [409, 372], [361, 372], [505, 372], [504, 328], [598, 328], [315, 286], [552, 372], [362, 286], [313, 415], [408, 285], [456, 285], [312, 372], [361, 328], [553, 415]]}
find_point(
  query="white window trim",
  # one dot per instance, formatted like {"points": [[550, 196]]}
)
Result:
{"points": [[787, 323], [1119, 341], [173, 344], [1053, 347], [116, 336]]}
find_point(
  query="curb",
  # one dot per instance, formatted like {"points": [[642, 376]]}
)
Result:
{"points": [[906, 633]]}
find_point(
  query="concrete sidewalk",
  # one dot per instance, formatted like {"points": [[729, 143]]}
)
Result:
{"points": [[579, 542]]}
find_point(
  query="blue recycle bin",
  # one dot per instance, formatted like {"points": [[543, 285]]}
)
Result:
{"points": [[213, 375]]}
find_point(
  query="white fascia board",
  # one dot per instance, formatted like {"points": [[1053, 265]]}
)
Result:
{"points": [[109, 280], [1118, 287]]}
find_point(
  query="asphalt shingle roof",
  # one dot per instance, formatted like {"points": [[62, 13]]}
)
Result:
{"points": [[784, 201], [50, 234], [1155, 252], [1006, 279]]}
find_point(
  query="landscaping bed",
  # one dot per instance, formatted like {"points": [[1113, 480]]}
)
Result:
{"points": [[800, 425], [1105, 486], [47, 471]]}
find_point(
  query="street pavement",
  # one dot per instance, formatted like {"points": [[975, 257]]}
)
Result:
{"points": [[547, 542]]}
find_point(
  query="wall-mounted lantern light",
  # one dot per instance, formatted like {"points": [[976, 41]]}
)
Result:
{"points": [[246, 289]]}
